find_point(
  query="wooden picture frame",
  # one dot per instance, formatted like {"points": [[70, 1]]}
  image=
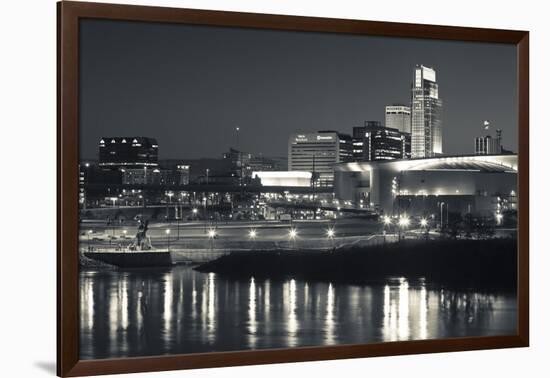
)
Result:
{"points": [[69, 15]]}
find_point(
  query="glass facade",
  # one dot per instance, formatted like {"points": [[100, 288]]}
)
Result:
{"points": [[128, 152], [376, 142], [398, 117], [318, 152], [426, 107]]}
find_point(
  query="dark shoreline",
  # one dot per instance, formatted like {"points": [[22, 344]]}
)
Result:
{"points": [[480, 264]]}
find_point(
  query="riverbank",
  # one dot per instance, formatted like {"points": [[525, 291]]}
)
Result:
{"points": [[488, 263]]}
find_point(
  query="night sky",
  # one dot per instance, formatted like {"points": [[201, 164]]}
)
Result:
{"points": [[190, 86]]}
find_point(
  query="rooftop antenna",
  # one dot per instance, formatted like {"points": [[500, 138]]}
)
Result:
{"points": [[486, 124]]}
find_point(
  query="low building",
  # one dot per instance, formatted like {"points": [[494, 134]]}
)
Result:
{"points": [[147, 176], [283, 178], [489, 145], [477, 184]]}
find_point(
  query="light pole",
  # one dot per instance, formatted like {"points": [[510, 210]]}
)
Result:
{"points": [[168, 204], [330, 236], [89, 233], [179, 219], [499, 217], [168, 236], [211, 236], [403, 224], [441, 214], [239, 157], [387, 223], [424, 226], [204, 199], [252, 236], [292, 233]]}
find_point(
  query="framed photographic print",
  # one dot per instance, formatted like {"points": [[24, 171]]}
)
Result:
{"points": [[242, 188]]}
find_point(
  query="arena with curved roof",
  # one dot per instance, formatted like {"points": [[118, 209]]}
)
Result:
{"points": [[478, 184]]}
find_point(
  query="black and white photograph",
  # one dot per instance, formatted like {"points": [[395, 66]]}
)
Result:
{"points": [[253, 189]]}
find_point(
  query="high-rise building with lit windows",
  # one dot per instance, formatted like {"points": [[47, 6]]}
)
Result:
{"points": [[426, 106], [375, 142], [119, 152], [318, 153], [399, 117]]}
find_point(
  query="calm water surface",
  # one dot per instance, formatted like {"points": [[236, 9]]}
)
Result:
{"points": [[178, 310]]}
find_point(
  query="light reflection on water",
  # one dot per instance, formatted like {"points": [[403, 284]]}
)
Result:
{"points": [[137, 313]]}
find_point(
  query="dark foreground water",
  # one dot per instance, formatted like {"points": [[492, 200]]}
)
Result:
{"points": [[178, 310]]}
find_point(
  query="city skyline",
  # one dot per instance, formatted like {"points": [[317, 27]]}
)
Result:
{"points": [[267, 98], [274, 179]]}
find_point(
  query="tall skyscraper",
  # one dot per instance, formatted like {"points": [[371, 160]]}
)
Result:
{"points": [[398, 117], [427, 138]]}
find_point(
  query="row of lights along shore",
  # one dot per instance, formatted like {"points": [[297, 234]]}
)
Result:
{"points": [[252, 234], [403, 221]]}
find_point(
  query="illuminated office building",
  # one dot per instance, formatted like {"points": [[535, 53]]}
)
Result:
{"points": [[427, 137], [118, 152], [398, 117], [318, 152]]}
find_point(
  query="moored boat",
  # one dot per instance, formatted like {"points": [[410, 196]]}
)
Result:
{"points": [[139, 254]]}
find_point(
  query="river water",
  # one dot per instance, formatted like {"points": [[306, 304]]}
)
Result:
{"points": [[179, 310]]}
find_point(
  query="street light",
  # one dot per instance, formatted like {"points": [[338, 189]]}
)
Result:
{"points": [[386, 220], [252, 234], [205, 202], [404, 221], [211, 236], [169, 194], [441, 211], [424, 225], [89, 233], [168, 235], [499, 218], [330, 236], [292, 233]]}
